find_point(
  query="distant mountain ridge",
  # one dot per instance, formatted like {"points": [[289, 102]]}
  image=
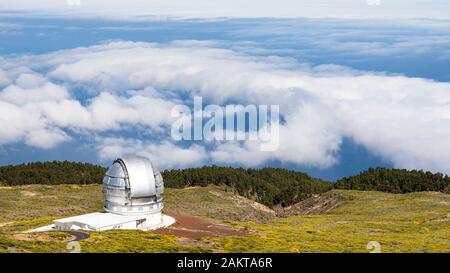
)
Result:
{"points": [[269, 186]]}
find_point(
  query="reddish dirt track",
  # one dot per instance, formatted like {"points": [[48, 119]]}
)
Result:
{"points": [[193, 227]]}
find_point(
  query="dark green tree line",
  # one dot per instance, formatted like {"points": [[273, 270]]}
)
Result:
{"points": [[268, 186], [395, 181], [55, 172]]}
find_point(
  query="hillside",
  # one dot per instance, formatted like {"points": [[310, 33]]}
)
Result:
{"points": [[51, 173], [235, 210], [412, 222], [269, 186], [395, 181]]}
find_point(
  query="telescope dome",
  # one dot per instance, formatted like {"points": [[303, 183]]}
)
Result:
{"points": [[133, 186]]}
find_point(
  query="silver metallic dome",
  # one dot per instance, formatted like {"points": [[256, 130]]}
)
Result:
{"points": [[133, 186]]}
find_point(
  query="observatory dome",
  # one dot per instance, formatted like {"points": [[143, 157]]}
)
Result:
{"points": [[133, 189], [133, 186]]}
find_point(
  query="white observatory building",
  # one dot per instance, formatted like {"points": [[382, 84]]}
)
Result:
{"points": [[132, 189]]}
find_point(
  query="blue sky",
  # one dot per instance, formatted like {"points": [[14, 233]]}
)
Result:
{"points": [[356, 93]]}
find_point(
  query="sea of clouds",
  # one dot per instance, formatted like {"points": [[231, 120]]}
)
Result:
{"points": [[96, 91]]}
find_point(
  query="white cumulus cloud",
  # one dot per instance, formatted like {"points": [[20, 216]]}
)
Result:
{"points": [[164, 154], [134, 86], [160, 9]]}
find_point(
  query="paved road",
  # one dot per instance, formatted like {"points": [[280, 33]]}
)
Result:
{"points": [[79, 235]]}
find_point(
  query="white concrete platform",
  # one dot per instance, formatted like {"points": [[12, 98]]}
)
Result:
{"points": [[166, 221], [99, 221]]}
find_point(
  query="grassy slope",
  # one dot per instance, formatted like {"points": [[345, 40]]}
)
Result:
{"points": [[417, 222]]}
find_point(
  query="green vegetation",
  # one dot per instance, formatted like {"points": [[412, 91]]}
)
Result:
{"points": [[51, 173], [412, 222], [395, 181], [29, 202], [48, 243], [114, 241], [348, 219], [217, 202], [268, 186]]}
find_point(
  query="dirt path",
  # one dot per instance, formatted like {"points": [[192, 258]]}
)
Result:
{"points": [[193, 227]]}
